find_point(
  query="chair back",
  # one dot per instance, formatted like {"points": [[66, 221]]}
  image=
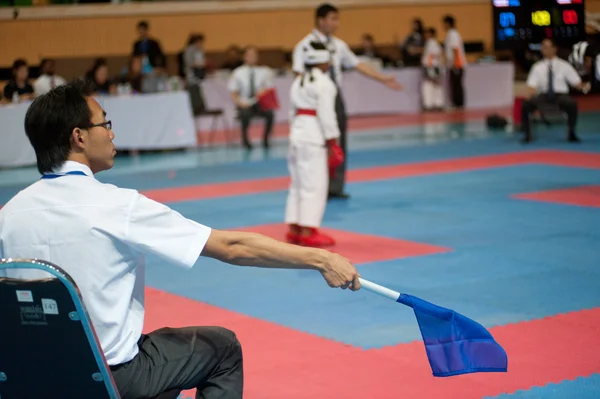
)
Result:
{"points": [[48, 346]]}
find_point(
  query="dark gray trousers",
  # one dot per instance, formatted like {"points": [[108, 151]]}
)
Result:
{"points": [[337, 183], [175, 359]]}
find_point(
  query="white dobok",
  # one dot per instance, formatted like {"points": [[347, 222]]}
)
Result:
{"points": [[313, 121]]}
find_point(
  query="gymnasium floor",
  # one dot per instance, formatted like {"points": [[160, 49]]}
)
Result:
{"points": [[441, 208]]}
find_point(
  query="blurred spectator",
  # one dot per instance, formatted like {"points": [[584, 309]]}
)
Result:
{"points": [[246, 82], [133, 75], [194, 59], [18, 88], [233, 58], [48, 79], [432, 87], [455, 61], [412, 46], [98, 79], [148, 48], [368, 50]]}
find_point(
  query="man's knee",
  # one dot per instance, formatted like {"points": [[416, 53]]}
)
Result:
{"points": [[568, 104], [230, 339]]}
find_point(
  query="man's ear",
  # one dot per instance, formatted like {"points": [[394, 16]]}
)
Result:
{"points": [[79, 138]]}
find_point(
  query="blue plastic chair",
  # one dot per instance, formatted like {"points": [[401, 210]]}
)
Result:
{"points": [[48, 346]]}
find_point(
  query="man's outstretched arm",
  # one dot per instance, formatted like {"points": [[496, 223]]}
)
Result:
{"points": [[252, 249]]}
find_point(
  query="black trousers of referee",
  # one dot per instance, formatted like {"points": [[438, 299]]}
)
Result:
{"points": [[337, 183], [563, 101], [457, 92], [175, 359]]}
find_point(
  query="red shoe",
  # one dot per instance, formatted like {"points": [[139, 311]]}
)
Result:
{"points": [[293, 234], [316, 239], [292, 237]]}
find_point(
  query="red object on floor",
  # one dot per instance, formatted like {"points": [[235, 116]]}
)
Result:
{"points": [[580, 196], [284, 363], [360, 248]]}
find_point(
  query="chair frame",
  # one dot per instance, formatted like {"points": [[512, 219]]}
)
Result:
{"points": [[81, 314]]}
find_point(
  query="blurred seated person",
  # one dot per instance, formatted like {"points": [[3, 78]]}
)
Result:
{"points": [[412, 46], [548, 83], [48, 79], [368, 50], [98, 79], [246, 82], [194, 59], [148, 48], [233, 58], [432, 87], [18, 88], [133, 75]]}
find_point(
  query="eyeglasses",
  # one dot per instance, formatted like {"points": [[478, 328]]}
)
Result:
{"points": [[107, 125]]}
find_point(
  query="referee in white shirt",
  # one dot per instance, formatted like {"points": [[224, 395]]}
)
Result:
{"points": [[245, 83], [100, 234], [326, 23], [548, 82]]}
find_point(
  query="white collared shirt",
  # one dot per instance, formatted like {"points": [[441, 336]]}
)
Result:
{"points": [[432, 54], [341, 55], [45, 83], [319, 95], [454, 41], [239, 82], [99, 234], [563, 75]]}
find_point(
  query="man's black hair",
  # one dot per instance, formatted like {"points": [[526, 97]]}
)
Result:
{"points": [[18, 63], [449, 19], [143, 24], [324, 10], [50, 120], [432, 31]]}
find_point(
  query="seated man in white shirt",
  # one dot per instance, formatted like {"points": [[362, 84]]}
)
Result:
{"points": [[548, 82], [100, 235], [48, 79], [246, 82]]}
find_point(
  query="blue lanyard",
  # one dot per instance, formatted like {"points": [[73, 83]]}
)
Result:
{"points": [[54, 176]]}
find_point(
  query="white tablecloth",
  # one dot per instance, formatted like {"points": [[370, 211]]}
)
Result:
{"points": [[149, 121], [156, 121]]}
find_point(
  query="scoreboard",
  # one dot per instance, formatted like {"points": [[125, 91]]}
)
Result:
{"points": [[518, 23]]}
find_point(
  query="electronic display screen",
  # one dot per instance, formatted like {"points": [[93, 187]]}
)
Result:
{"points": [[518, 23]]}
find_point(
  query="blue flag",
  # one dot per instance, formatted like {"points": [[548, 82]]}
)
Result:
{"points": [[454, 343]]}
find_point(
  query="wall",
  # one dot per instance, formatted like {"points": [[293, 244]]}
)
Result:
{"points": [[86, 31]]}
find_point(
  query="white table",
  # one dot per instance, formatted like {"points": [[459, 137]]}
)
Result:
{"points": [[143, 122]]}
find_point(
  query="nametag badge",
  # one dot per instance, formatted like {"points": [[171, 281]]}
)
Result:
{"points": [[49, 306], [24, 296]]}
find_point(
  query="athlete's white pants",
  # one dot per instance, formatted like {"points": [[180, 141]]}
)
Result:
{"points": [[433, 94], [308, 190]]}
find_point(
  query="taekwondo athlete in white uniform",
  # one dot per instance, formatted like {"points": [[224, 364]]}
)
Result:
{"points": [[326, 24], [314, 153], [432, 89]]}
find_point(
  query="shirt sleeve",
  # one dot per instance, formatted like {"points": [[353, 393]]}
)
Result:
{"points": [[571, 75], [533, 78], [155, 229], [348, 58], [326, 109], [234, 83], [298, 58]]}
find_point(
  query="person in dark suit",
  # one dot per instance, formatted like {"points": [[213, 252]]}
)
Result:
{"points": [[148, 48]]}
